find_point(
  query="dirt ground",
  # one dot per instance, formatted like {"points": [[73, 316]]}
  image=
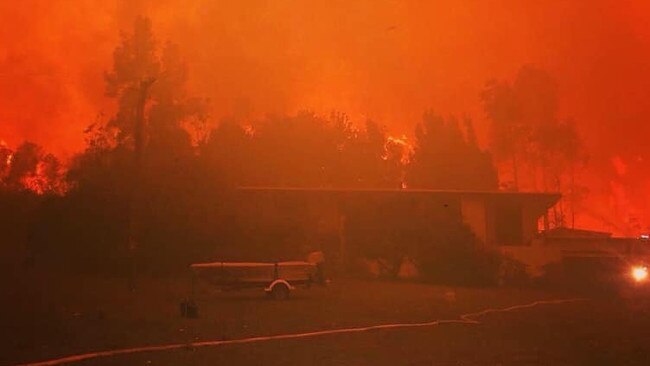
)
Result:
{"points": [[47, 317]]}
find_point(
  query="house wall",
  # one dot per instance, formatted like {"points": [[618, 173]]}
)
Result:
{"points": [[480, 213], [530, 216], [337, 222], [474, 214]]}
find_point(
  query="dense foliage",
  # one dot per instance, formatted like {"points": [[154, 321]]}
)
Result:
{"points": [[155, 185]]}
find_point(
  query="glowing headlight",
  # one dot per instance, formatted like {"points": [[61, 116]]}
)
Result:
{"points": [[640, 273]]}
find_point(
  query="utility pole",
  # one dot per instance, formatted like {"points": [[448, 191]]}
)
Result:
{"points": [[134, 199]]}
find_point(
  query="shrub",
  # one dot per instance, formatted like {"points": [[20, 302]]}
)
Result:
{"points": [[455, 256]]}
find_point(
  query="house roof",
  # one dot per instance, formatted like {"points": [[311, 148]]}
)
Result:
{"points": [[548, 199], [563, 232]]}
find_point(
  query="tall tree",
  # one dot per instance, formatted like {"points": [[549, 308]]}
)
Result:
{"points": [[226, 154], [507, 132], [525, 127], [299, 150], [479, 161], [536, 93], [444, 158], [134, 61], [364, 158], [154, 116]]}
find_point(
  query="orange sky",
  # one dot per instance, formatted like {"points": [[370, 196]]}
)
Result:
{"points": [[388, 60]]}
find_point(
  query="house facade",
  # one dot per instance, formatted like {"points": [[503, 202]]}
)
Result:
{"points": [[507, 220], [339, 221]]}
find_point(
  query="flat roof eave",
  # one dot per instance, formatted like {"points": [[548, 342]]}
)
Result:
{"points": [[549, 198]]}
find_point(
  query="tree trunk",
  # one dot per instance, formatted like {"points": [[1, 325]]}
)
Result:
{"points": [[573, 196], [515, 175]]}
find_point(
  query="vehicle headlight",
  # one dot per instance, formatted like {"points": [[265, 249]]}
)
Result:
{"points": [[640, 273]]}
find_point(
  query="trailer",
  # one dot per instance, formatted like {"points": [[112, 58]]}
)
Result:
{"points": [[277, 279]]}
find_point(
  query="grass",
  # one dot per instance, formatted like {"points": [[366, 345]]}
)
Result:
{"points": [[46, 316]]}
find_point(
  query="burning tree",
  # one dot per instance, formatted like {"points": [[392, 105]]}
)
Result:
{"points": [[30, 168], [6, 155]]}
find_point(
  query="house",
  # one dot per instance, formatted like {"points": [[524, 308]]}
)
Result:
{"points": [[337, 221], [507, 220]]}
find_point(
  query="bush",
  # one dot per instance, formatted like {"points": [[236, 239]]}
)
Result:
{"points": [[456, 257]]}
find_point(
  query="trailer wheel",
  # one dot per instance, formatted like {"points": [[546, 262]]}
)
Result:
{"points": [[280, 291]]}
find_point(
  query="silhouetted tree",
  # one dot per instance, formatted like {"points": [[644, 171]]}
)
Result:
{"points": [[165, 202], [480, 161], [301, 150], [226, 154], [524, 124], [134, 60], [444, 158], [525, 127], [507, 132], [368, 160]]}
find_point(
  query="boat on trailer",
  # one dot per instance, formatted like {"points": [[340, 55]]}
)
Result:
{"points": [[277, 279]]}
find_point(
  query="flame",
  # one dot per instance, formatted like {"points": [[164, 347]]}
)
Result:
{"points": [[249, 130], [46, 178], [36, 181], [4, 168], [403, 144], [399, 140], [398, 147]]}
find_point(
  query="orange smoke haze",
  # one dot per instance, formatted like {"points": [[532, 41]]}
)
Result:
{"points": [[385, 60]]}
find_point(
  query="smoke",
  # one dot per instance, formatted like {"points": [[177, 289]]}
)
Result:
{"points": [[380, 59]]}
